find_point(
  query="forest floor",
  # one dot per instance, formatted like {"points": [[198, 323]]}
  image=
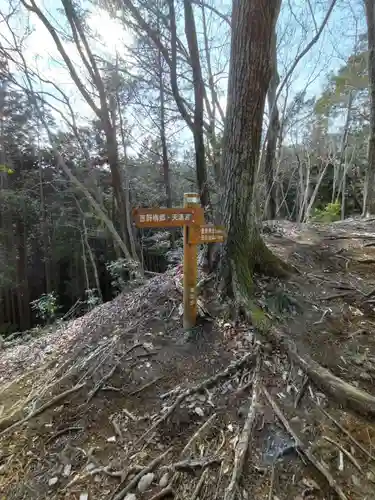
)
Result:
{"points": [[121, 403]]}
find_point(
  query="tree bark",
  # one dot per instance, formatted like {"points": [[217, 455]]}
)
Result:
{"points": [[274, 128], [253, 23], [199, 90], [369, 191]]}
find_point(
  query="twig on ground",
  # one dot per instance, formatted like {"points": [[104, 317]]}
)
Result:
{"points": [[346, 452], [301, 392], [198, 433], [272, 481], [150, 467], [62, 432], [145, 386], [129, 414], [116, 428], [243, 442], [167, 491], [335, 295], [173, 391], [198, 387], [198, 488], [347, 433], [191, 465], [41, 409], [101, 382], [302, 449]]}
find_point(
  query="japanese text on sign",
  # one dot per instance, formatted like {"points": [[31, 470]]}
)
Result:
{"points": [[165, 217], [207, 234]]}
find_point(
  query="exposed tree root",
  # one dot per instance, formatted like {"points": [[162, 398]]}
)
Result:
{"points": [[243, 442], [233, 367], [302, 449], [165, 492], [344, 393], [133, 483], [38, 411]]}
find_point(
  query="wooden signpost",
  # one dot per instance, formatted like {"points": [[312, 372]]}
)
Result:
{"points": [[196, 232]]}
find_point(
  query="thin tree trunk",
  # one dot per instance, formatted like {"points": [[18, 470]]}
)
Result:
{"points": [[249, 75], [84, 260], [369, 192], [47, 262], [274, 128], [315, 192], [92, 260], [198, 123], [163, 139]]}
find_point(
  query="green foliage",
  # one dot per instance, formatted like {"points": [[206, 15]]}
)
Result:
{"points": [[5, 169], [92, 298], [46, 307], [122, 272], [330, 213]]}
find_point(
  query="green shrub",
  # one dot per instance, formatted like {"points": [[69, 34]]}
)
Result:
{"points": [[46, 307], [330, 213]]}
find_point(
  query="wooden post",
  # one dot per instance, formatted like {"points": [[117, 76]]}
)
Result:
{"points": [[191, 200], [196, 232]]}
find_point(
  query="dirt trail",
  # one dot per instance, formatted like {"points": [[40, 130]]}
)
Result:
{"points": [[130, 366]]}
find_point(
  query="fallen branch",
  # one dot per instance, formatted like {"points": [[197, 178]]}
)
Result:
{"points": [[167, 491], [38, 411], [302, 449], [301, 392], [145, 386], [133, 483], [197, 388], [61, 432], [347, 433], [198, 488], [191, 465], [101, 382], [344, 393], [243, 442], [198, 433], [345, 452]]}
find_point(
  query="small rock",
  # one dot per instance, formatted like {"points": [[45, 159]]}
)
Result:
{"points": [[84, 496], [145, 482], [310, 483], [111, 439], [201, 397], [130, 496], [67, 470], [53, 481], [199, 411], [164, 480], [365, 376], [90, 466], [371, 476], [295, 419]]}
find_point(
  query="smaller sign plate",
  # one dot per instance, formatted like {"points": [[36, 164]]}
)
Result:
{"points": [[165, 217], [206, 234]]}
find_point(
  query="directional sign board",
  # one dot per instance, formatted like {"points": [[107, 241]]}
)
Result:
{"points": [[206, 234], [195, 232], [166, 217]]}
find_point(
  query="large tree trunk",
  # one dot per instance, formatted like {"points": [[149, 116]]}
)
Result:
{"points": [[253, 23], [369, 194]]}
